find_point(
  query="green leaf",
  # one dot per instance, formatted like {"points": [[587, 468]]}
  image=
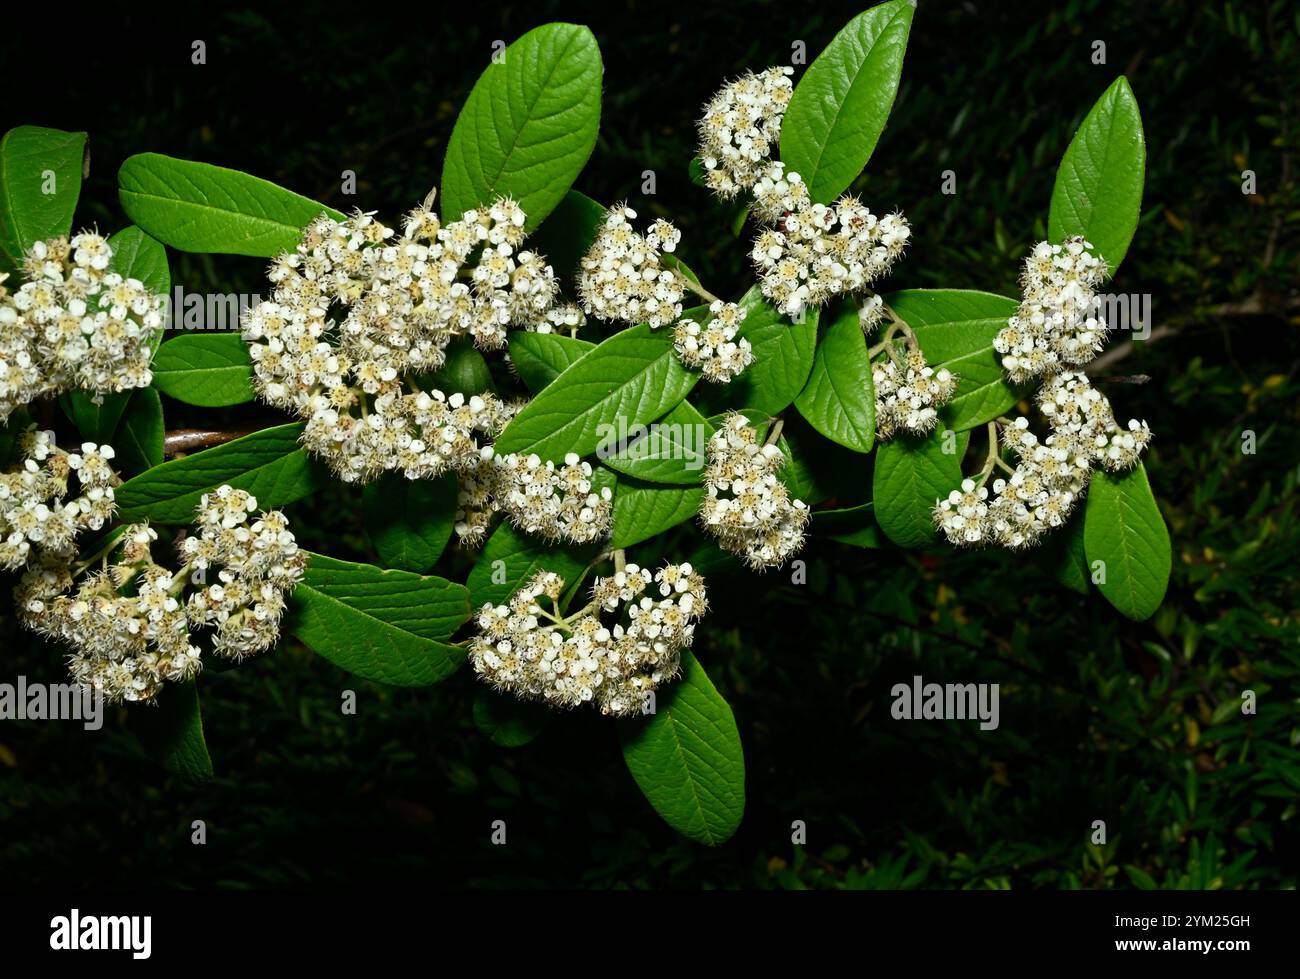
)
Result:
{"points": [[644, 510], [687, 757], [33, 161], [542, 357], [675, 262], [464, 370], [1123, 527], [838, 399], [672, 450], [389, 626], [850, 525], [1140, 878], [911, 476], [818, 469], [172, 732], [509, 721], [783, 357], [139, 437], [1098, 192], [206, 369], [567, 234], [840, 106], [96, 422], [197, 207], [269, 464], [510, 558], [528, 126], [955, 328], [410, 520], [1065, 556], [138, 256], [632, 378]]}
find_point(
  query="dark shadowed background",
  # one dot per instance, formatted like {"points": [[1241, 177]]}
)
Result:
{"points": [[1101, 718]]}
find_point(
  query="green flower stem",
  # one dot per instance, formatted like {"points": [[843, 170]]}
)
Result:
{"points": [[995, 450], [699, 290], [774, 432]]}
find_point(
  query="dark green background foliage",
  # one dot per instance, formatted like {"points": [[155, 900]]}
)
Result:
{"points": [[1102, 718]]}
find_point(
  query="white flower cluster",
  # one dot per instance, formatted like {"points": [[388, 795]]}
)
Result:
{"points": [[1049, 477], [740, 128], [259, 566], [809, 253], [1058, 324], [822, 251], [38, 515], [128, 624], [622, 276], [746, 506], [909, 393], [400, 300], [556, 503], [476, 501], [74, 324], [713, 348], [1083, 422], [125, 646], [1038, 495], [613, 652]]}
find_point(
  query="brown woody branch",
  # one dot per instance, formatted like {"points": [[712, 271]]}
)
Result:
{"points": [[181, 441]]}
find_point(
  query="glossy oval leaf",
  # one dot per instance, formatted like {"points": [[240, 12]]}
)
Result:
{"points": [[206, 369], [671, 450], [410, 520], [389, 626], [911, 476], [542, 357], [137, 255], [839, 400], [840, 106], [783, 358], [510, 558], [1065, 557], [269, 464], [140, 435], [40, 183], [465, 370], [568, 232], [528, 126], [1123, 528], [632, 378], [198, 207], [849, 525], [96, 420], [172, 732], [1098, 192], [644, 510], [956, 328], [687, 757]]}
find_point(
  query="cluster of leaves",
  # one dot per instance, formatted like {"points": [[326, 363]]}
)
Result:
{"points": [[299, 783], [396, 626]]}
